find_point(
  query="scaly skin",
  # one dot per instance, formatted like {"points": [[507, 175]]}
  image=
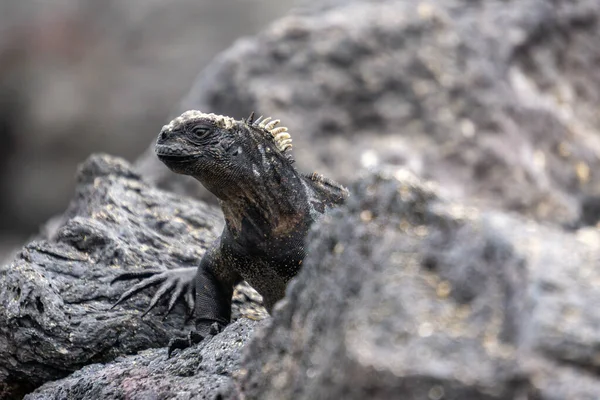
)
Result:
{"points": [[268, 206]]}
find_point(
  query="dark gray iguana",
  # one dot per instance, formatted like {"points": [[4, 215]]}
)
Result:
{"points": [[268, 206]]}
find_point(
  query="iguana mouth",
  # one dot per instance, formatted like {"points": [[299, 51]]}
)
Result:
{"points": [[178, 158]]}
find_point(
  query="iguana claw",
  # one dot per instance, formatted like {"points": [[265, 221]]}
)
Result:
{"points": [[178, 282], [194, 337]]}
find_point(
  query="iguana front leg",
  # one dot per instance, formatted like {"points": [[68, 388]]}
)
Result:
{"points": [[211, 283], [213, 303]]}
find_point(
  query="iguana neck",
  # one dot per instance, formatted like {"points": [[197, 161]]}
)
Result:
{"points": [[267, 209]]}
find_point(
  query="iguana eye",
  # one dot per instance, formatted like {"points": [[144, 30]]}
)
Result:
{"points": [[200, 131]]}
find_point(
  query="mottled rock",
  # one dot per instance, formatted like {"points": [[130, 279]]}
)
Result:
{"points": [[196, 373], [495, 100], [404, 295], [55, 296]]}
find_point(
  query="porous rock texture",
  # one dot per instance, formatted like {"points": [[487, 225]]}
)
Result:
{"points": [[55, 296], [496, 99], [196, 373], [404, 295]]}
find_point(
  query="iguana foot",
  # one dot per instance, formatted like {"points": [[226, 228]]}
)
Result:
{"points": [[179, 282], [194, 337]]}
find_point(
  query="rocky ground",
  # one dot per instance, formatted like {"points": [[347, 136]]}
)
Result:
{"points": [[464, 265]]}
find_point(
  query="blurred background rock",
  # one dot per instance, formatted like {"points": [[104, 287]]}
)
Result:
{"points": [[508, 121], [83, 76]]}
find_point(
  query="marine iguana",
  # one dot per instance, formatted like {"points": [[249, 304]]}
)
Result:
{"points": [[268, 206]]}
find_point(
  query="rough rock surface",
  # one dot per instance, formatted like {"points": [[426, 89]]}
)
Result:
{"points": [[406, 296], [496, 100], [55, 297], [196, 373], [403, 295]]}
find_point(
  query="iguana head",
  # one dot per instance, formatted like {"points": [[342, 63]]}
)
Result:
{"points": [[222, 152]]}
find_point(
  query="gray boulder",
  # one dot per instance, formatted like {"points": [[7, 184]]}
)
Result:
{"points": [[404, 295], [496, 100]]}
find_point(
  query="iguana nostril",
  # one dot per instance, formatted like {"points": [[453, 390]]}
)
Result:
{"points": [[164, 135]]}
